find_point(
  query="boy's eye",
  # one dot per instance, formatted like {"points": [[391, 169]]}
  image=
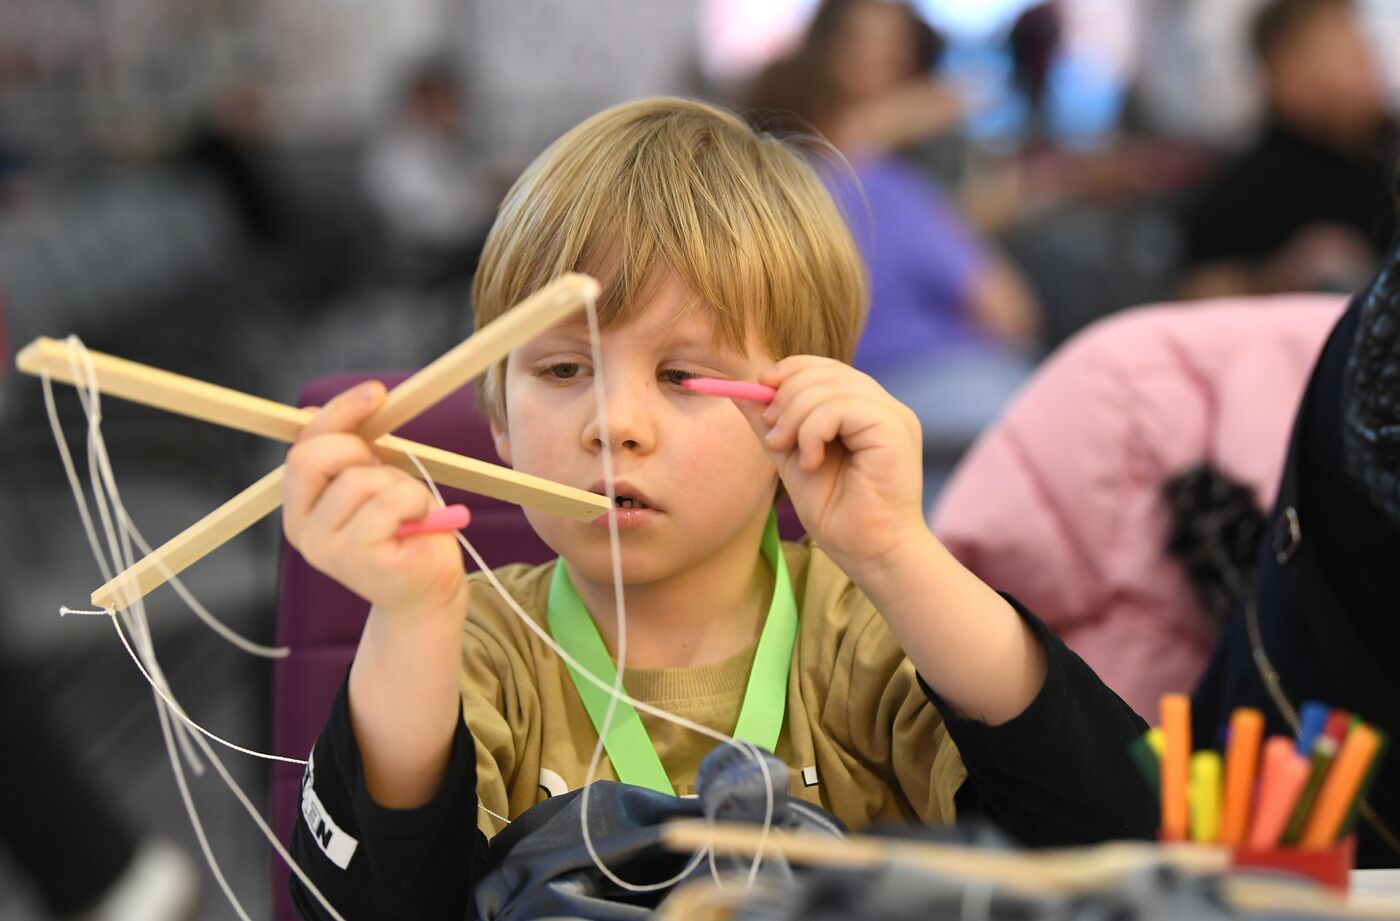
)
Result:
{"points": [[564, 370], [676, 375]]}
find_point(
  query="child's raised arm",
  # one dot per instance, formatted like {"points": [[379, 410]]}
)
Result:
{"points": [[849, 455], [342, 508]]}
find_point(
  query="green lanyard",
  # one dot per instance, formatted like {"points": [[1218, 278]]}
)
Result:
{"points": [[629, 747]]}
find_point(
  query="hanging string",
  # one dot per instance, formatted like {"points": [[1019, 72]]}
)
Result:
{"points": [[123, 538], [617, 693], [178, 739], [595, 346]]}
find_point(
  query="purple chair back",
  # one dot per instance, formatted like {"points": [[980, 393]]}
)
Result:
{"points": [[320, 621]]}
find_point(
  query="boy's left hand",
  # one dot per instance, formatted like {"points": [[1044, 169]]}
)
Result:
{"points": [[849, 454]]}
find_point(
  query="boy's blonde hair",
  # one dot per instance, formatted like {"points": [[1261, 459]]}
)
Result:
{"points": [[667, 185]]}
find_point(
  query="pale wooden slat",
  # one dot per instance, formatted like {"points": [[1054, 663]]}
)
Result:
{"points": [[487, 479], [1045, 873], [1037, 873], [128, 380], [516, 326], [192, 544], [521, 323], [185, 396]]}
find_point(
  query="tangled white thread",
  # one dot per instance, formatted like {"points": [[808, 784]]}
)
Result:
{"points": [[123, 538]]}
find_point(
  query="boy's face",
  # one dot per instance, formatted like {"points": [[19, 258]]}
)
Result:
{"points": [[707, 482]]}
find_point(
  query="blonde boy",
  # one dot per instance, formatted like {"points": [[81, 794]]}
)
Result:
{"points": [[721, 255]]}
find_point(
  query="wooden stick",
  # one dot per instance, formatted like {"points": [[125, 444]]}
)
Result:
{"points": [[1048, 873], [521, 323], [128, 380], [1035, 873], [518, 325], [192, 544], [487, 479], [175, 393]]}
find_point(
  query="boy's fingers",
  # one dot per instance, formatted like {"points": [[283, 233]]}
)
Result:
{"points": [[818, 429], [804, 373], [380, 517], [782, 370], [800, 374], [791, 415], [347, 412], [352, 489], [312, 465]]}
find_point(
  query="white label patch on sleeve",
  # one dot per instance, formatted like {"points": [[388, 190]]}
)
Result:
{"points": [[333, 840], [552, 783], [809, 776]]}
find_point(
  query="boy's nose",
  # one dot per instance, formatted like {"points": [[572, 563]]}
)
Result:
{"points": [[629, 444], [630, 427]]}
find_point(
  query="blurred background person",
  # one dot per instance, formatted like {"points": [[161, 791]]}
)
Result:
{"points": [[436, 200], [1308, 205], [952, 325], [230, 142], [997, 146], [1034, 41]]}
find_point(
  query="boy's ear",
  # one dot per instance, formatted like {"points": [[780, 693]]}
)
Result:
{"points": [[501, 437]]}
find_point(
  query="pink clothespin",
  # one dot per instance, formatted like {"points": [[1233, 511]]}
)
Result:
{"points": [[735, 390], [439, 520]]}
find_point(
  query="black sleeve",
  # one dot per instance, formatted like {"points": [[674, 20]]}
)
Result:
{"points": [[1059, 773], [373, 862]]}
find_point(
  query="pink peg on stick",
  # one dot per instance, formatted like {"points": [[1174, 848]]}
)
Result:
{"points": [[439, 520], [735, 390]]}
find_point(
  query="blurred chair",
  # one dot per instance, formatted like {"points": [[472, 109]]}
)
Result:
{"points": [[1060, 502], [321, 621]]}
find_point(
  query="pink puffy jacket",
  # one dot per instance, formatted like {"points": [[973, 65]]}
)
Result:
{"points": [[1059, 501]]}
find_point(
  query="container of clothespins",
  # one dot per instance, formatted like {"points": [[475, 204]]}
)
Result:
{"points": [[1287, 804], [1330, 866]]}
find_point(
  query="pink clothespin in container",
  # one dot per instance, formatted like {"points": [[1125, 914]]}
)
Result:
{"points": [[735, 390], [439, 520]]}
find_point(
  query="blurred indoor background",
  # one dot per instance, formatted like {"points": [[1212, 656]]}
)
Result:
{"points": [[255, 193]]}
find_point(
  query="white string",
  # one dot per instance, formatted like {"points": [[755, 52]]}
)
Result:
{"points": [[92, 407], [143, 653], [595, 345], [495, 815], [122, 556], [180, 712], [104, 497], [615, 690], [98, 461], [122, 537]]}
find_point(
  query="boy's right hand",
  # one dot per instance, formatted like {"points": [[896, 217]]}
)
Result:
{"points": [[342, 505]]}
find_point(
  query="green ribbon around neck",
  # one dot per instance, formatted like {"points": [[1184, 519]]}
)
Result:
{"points": [[628, 746]]}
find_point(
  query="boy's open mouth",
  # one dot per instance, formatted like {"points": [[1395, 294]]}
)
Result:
{"points": [[628, 496]]}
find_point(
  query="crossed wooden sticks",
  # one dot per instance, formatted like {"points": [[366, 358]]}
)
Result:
{"points": [[197, 399]]}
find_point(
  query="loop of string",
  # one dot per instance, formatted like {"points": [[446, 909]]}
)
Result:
{"points": [[119, 555], [183, 735], [615, 689]]}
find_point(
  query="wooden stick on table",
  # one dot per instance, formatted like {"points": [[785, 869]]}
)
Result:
{"points": [[128, 380], [1048, 873], [1034, 873], [521, 323]]}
